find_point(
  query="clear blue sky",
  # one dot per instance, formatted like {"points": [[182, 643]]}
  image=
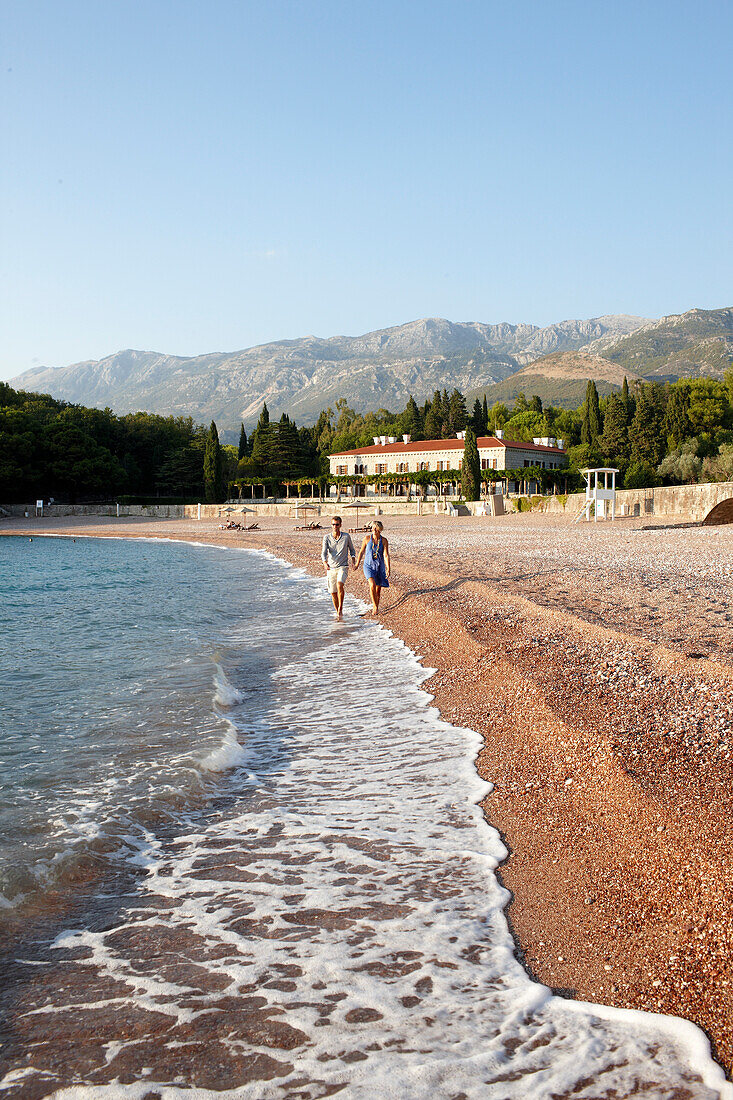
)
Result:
{"points": [[188, 177]]}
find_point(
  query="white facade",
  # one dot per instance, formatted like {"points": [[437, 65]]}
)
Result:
{"points": [[387, 456]]}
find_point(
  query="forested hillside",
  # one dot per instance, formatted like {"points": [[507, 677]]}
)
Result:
{"points": [[654, 433]]}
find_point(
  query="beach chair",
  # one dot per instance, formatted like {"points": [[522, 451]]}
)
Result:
{"points": [[253, 527]]}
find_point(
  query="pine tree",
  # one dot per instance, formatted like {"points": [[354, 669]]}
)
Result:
{"points": [[457, 411], [536, 403], [412, 419], [677, 424], [213, 480], [286, 448], [646, 431], [471, 468], [434, 418], [263, 444], [242, 450], [614, 441]]}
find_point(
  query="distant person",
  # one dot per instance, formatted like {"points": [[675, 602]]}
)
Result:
{"points": [[335, 556], [377, 566]]}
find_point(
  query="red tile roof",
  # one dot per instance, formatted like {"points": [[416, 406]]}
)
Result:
{"points": [[417, 445]]}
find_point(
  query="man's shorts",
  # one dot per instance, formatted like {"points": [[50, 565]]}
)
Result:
{"points": [[336, 576]]}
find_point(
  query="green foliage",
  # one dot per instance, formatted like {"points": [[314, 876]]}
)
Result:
{"points": [[646, 434], [719, 467], [640, 475], [242, 449], [591, 428], [677, 424], [614, 442], [525, 425], [213, 472], [471, 469], [683, 465]]}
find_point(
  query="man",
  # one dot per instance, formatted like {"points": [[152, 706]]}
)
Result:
{"points": [[335, 557]]}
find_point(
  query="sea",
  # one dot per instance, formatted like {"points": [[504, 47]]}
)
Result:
{"points": [[242, 854]]}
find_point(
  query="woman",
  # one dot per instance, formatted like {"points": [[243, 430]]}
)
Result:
{"points": [[375, 552]]}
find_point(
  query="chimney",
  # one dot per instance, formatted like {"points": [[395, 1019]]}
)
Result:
{"points": [[383, 440], [536, 440], [376, 440], [460, 435], [392, 439], [499, 433], [405, 438], [561, 444]]}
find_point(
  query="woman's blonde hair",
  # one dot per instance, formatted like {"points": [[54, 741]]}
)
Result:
{"points": [[377, 523]]}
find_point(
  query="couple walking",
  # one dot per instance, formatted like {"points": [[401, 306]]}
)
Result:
{"points": [[335, 556]]}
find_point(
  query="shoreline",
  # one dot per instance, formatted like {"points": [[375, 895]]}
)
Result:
{"points": [[611, 773]]}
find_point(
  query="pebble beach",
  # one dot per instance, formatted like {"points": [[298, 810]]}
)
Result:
{"points": [[596, 662]]}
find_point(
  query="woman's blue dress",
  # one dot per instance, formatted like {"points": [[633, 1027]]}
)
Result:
{"points": [[374, 567]]}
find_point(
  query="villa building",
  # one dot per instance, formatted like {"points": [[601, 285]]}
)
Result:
{"points": [[387, 456]]}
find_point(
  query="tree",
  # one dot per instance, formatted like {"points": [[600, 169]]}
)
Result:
{"points": [[536, 403], [682, 465], [707, 405], [242, 449], [626, 400], [471, 469], [646, 434], [591, 416], [485, 420], [213, 481], [614, 441], [640, 475], [263, 443], [412, 419], [434, 418], [457, 411], [677, 425], [477, 418]]}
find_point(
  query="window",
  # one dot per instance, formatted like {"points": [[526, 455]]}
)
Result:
{"points": [[527, 462], [423, 465], [485, 464], [380, 468], [441, 465], [402, 467], [460, 463], [342, 470]]}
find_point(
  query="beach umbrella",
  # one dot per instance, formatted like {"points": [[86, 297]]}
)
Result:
{"points": [[357, 504], [304, 508]]}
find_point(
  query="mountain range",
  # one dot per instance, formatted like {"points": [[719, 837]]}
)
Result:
{"points": [[381, 369]]}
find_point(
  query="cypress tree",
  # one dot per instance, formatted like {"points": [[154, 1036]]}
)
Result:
{"points": [[477, 418], [213, 478], [471, 468], [445, 429], [591, 416], [485, 421], [626, 399], [242, 449], [457, 411]]}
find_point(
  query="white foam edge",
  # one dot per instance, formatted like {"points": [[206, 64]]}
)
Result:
{"points": [[683, 1032]]}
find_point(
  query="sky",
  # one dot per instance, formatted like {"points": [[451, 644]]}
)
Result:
{"points": [[188, 177]]}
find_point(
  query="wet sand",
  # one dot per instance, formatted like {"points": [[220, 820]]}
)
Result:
{"points": [[596, 662]]}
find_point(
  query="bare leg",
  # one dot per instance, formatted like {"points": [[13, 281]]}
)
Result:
{"points": [[335, 598], [339, 600], [374, 594]]}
